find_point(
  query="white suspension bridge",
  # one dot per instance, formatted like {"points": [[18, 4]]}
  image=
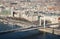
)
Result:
{"points": [[42, 15]]}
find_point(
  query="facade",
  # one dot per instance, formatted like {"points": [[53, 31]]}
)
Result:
{"points": [[28, 9]]}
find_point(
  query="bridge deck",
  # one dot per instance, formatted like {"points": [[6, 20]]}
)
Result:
{"points": [[49, 30]]}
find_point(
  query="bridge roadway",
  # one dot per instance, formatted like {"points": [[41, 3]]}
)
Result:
{"points": [[49, 30], [30, 27]]}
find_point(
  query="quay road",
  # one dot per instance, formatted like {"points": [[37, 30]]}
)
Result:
{"points": [[28, 26], [13, 21]]}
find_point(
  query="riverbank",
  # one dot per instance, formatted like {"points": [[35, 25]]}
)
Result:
{"points": [[16, 21]]}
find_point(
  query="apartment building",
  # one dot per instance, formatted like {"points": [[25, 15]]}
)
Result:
{"points": [[26, 9]]}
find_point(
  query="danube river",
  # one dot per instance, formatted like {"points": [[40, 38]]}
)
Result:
{"points": [[31, 34]]}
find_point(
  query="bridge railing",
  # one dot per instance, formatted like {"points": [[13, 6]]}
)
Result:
{"points": [[31, 28]]}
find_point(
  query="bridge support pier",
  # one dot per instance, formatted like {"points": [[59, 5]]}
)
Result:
{"points": [[39, 20], [44, 23]]}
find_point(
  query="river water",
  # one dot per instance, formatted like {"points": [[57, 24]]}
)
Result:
{"points": [[31, 34]]}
